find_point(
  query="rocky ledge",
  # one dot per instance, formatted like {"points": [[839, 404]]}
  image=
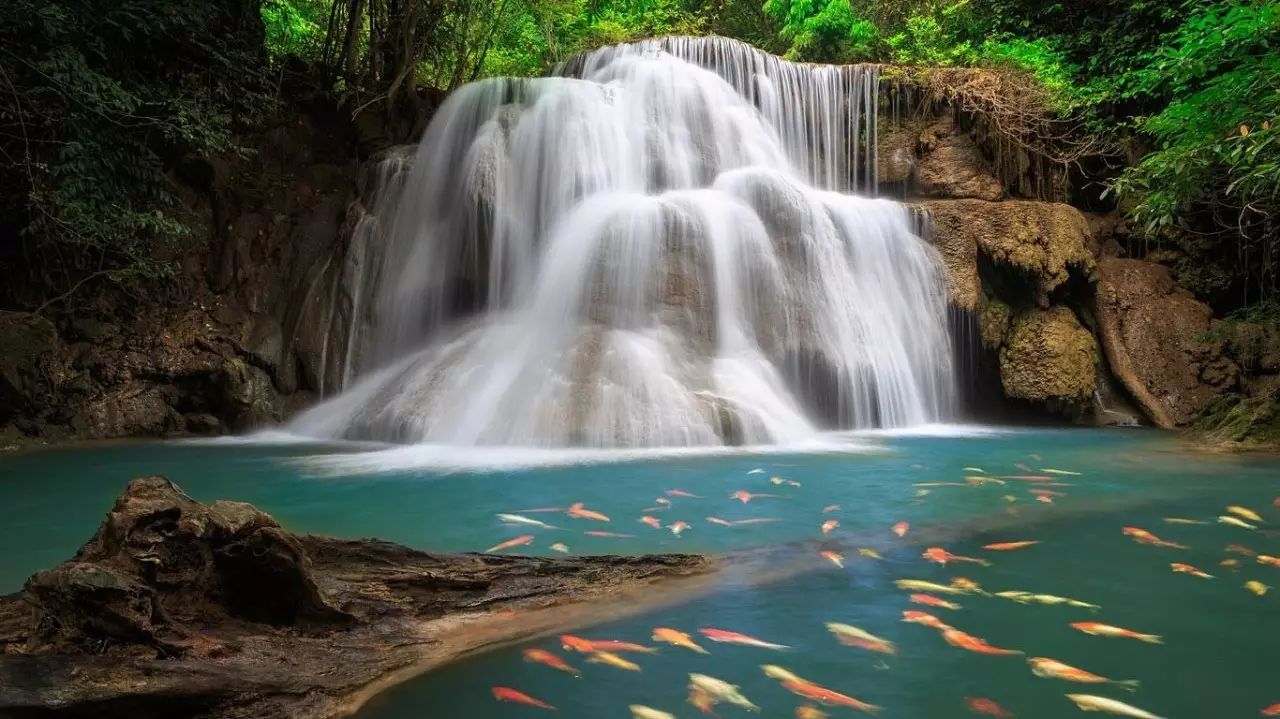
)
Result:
{"points": [[176, 608]]}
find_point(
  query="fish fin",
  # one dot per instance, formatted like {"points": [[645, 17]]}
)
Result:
{"points": [[1150, 638], [1128, 684]]}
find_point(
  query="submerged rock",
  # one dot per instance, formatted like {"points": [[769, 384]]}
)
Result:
{"points": [[1157, 339], [1048, 357], [176, 608]]}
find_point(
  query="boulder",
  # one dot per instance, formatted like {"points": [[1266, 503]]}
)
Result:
{"points": [[951, 166], [1157, 339], [1049, 358], [1033, 247]]}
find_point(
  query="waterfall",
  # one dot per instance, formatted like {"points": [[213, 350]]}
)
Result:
{"points": [[654, 247]]}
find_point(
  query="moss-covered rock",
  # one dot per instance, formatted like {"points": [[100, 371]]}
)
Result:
{"points": [[1043, 243], [993, 322], [1245, 422], [1049, 358]]}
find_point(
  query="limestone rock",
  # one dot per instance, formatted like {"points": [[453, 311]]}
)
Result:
{"points": [[1049, 358], [950, 166], [896, 153], [28, 361], [993, 322], [1035, 246], [1155, 335]]}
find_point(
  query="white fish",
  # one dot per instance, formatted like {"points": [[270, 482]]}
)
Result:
{"points": [[1235, 521], [720, 690], [1091, 703], [640, 711], [527, 521], [757, 470], [1061, 472]]}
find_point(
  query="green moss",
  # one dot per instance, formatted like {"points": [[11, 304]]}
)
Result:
{"points": [[1250, 422], [1048, 357]]}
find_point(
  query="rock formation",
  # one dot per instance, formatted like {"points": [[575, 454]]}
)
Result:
{"points": [[175, 608]]}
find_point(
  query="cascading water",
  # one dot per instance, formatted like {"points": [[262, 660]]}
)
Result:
{"points": [[653, 252]]}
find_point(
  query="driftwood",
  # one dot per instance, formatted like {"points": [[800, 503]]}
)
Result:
{"points": [[179, 609]]}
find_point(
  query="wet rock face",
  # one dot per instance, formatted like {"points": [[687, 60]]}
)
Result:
{"points": [[29, 357], [950, 166], [1049, 357], [1157, 339]]}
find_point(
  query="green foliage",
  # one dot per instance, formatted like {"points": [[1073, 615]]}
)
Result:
{"points": [[102, 100], [824, 30], [295, 27]]}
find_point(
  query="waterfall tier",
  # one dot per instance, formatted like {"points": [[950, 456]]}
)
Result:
{"points": [[652, 249]]}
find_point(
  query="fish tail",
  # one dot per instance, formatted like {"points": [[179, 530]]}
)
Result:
{"points": [[1127, 684], [1149, 638]]}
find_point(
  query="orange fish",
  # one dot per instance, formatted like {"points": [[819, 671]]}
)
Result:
{"points": [[941, 556], [1142, 536], [835, 558], [931, 601], [587, 646], [676, 638], [1188, 569], [507, 694], [1106, 630], [980, 705], [1274, 709], [577, 512], [702, 701], [541, 656], [966, 584], [1266, 559], [744, 496], [1043, 499], [1053, 669], [901, 528], [719, 521], [615, 535], [829, 525], [968, 642], [826, 697], [518, 541], [726, 637], [677, 527], [912, 616], [1237, 549], [682, 493], [830, 508], [757, 520], [1008, 546], [651, 521]]}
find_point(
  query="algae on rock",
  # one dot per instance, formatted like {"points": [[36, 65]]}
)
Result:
{"points": [[1049, 357]]}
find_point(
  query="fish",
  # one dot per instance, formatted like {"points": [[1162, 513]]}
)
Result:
{"points": [[830, 508], [1235, 522], [966, 585], [517, 542], [1050, 599], [1028, 477], [939, 484], [719, 521], [651, 521], [1060, 472], [615, 535], [809, 711], [1271, 711], [702, 701], [869, 553], [773, 671], [942, 556], [973, 469], [1256, 587], [544, 657], [921, 493], [901, 528], [1188, 569], [682, 493], [541, 510], [577, 511], [560, 547], [1107, 630], [1044, 499], [827, 697], [1091, 703], [507, 694], [931, 601], [587, 646], [1244, 512], [640, 711], [757, 520], [852, 636], [1009, 498], [1266, 559], [1182, 520], [829, 525], [1022, 467], [677, 527], [720, 691], [835, 558], [744, 496], [1229, 563], [727, 637], [919, 585], [757, 470], [1142, 536], [663, 501], [517, 519], [977, 481], [968, 642], [1009, 546], [780, 481], [911, 616], [613, 660], [1046, 668], [676, 638], [1237, 549], [663, 504], [981, 705]]}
